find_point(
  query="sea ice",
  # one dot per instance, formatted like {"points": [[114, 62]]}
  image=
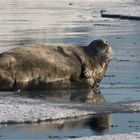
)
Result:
{"points": [[131, 136], [20, 110]]}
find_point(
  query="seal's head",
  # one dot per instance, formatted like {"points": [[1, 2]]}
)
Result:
{"points": [[100, 54], [101, 49]]}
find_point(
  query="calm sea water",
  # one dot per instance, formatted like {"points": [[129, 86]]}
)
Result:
{"points": [[24, 22]]}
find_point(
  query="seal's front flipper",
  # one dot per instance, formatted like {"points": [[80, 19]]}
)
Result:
{"points": [[86, 72]]}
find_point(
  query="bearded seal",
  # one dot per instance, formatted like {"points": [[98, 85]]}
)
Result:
{"points": [[54, 66]]}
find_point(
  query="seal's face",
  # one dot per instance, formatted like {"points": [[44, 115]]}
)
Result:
{"points": [[102, 49], [100, 52]]}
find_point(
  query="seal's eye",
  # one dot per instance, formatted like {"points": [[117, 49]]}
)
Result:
{"points": [[102, 44]]}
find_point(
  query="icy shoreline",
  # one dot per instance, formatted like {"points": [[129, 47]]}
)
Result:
{"points": [[131, 136]]}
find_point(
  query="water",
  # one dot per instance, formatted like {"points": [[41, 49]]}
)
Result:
{"points": [[74, 128], [121, 94], [24, 22], [43, 113]]}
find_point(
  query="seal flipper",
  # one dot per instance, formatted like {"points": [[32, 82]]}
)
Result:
{"points": [[84, 71], [87, 74]]}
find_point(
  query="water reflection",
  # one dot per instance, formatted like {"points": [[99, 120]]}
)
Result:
{"points": [[97, 124], [80, 95]]}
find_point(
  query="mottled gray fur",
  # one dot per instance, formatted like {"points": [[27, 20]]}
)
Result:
{"points": [[54, 66]]}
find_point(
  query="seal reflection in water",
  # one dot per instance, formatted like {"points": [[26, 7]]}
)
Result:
{"points": [[97, 123], [73, 95], [54, 67]]}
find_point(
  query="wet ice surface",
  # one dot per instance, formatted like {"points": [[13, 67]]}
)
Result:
{"points": [[73, 22], [19, 108], [130, 136], [80, 127], [65, 114], [121, 94]]}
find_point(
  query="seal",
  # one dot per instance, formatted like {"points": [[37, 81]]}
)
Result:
{"points": [[54, 66]]}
